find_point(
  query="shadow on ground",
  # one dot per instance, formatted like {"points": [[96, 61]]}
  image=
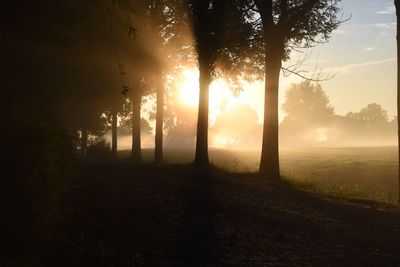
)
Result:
{"points": [[116, 214]]}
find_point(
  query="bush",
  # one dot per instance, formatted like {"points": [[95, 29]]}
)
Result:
{"points": [[98, 148]]}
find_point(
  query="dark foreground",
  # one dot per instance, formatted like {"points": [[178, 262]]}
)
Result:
{"points": [[120, 215]]}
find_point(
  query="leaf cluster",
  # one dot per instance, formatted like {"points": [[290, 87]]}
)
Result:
{"points": [[225, 38], [296, 23]]}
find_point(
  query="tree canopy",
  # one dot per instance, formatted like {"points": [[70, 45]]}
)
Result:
{"points": [[307, 103]]}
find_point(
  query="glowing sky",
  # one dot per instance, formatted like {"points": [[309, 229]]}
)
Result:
{"points": [[362, 53]]}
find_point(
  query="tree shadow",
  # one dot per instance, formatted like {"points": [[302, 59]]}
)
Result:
{"points": [[199, 244], [373, 225]]}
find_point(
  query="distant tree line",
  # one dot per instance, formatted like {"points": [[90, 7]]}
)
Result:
{"points": [[310, 120]]}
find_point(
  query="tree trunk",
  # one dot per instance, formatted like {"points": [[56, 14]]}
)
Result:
{"points": [[114, 131], [201, 158], [397, 5], [158, 153], [136, 152], [269, 164], [84, 142]]}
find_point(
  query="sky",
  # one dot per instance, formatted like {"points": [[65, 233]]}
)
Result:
{"points": [[360, 56], [363, 50]]}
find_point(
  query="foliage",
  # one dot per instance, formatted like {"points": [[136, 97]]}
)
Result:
{"points": [[180, 127], [239, 126], [369, 125], [126, 127], [298, 23], [225, 39], [310, 120], [371, 116], [98, 148], [307, 105]]}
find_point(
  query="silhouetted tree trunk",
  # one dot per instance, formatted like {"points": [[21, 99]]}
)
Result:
{"points": [[158, 153], [136, 152], [269, 163], [201, 158], [84, 142], [284, 22], [114, 131], [397, 4], [219, 29], [274, 50]]}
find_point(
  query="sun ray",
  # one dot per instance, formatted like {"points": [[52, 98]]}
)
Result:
{"points": [[220, 97], [189, 87]]}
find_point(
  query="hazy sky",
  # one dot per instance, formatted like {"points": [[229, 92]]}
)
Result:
{"points": [[361, 54], [364, 51]]}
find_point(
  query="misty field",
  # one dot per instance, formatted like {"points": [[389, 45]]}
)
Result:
{"points": [[362, 172]]}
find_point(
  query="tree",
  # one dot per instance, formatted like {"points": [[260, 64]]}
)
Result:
{"points": [[238, 126], [157, 19], [136, 104], [397, 5], [373, 116], [221, 32], [180, 118], [36, 148], [139, 62], [206, 47], [308, 115], [115, 98], [369, 126], [306, 105], [181, 128], [167, 22], [158, 24], [102, 26], [286, 24], [68, 39]]}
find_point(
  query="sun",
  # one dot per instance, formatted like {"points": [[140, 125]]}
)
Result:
{"points": [[220, 96]]}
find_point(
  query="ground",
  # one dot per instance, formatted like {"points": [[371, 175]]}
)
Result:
{"points": [[116, 214]]}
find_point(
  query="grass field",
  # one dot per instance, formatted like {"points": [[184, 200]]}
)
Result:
{"points": [[363, 172]]}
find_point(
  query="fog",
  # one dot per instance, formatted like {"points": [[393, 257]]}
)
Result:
{"points": [[309, 122], [338, 153], [81, 76]]}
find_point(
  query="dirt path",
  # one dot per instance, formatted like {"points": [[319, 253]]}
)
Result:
{"points": [[118, 215]]}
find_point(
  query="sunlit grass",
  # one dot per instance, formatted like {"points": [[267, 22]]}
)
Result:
{"points": [[356, 173], [340, 190]]}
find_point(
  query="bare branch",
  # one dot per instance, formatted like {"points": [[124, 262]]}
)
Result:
{"points": [[317, 75], [319, 78]]}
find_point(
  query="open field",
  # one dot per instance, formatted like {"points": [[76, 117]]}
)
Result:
{"points": [[367, 172]]}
